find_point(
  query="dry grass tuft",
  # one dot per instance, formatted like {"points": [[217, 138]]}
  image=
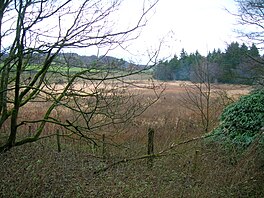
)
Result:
{"points": [[196, 169]]}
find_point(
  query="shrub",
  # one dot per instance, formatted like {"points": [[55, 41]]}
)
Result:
{"points": [[241, 122]]}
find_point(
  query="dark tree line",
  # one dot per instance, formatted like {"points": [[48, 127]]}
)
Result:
{"points": [[237, 64]]}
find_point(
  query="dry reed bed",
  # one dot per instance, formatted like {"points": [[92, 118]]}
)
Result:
{"points": [[191, 170]]}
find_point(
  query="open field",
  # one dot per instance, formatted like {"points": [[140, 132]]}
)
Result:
{"points": [[194, 169]]}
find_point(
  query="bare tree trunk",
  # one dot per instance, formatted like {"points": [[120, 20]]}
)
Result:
{"points": [[2, 71], [14, 114], [150, 147], [58, 141], [19, 45]]}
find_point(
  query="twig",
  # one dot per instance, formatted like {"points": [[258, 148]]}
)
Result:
{"points": [[173, 145], [159, 154]]}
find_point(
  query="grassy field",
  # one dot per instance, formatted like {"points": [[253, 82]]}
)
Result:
{"points": [[193, 169]]}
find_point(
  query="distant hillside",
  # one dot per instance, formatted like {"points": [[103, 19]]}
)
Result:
{"points": [[75, 60]]}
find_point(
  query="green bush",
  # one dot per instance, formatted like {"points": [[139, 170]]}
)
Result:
{"points": [[241, 122]]}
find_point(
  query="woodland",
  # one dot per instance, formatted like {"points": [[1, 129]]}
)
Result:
{"points": [[99, 126]]}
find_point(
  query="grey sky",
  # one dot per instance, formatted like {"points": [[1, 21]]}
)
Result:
{"points": [[190, 24]]}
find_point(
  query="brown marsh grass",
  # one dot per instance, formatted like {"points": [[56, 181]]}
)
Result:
{"points": [[196, 169]]}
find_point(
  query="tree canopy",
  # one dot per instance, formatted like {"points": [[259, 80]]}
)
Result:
{"points": [[237, 64]]}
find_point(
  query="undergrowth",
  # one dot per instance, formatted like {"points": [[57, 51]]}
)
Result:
{"points": [[194, 169], [242, 122]]}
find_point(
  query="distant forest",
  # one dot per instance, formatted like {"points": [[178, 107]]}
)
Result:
{"points": [[239, 64]]}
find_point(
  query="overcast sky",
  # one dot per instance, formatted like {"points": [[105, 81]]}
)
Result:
{"points": [[190, 24]]}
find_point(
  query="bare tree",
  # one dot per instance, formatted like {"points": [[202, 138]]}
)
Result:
{"points": [[200, 97], [33, 35], [251, 16]]}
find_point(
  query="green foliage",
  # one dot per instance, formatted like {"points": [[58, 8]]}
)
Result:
{"points": [[237, 65], [177, 68], [241, 122]]}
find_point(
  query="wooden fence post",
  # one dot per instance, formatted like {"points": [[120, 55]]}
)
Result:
{"points": [[58, 141], [29, 131], [103, 146], [150, 147], [195, 160]]}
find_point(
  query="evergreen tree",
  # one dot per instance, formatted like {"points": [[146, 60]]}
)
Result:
{"points": [[253, 51], [232, 58], [236, 65]]}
